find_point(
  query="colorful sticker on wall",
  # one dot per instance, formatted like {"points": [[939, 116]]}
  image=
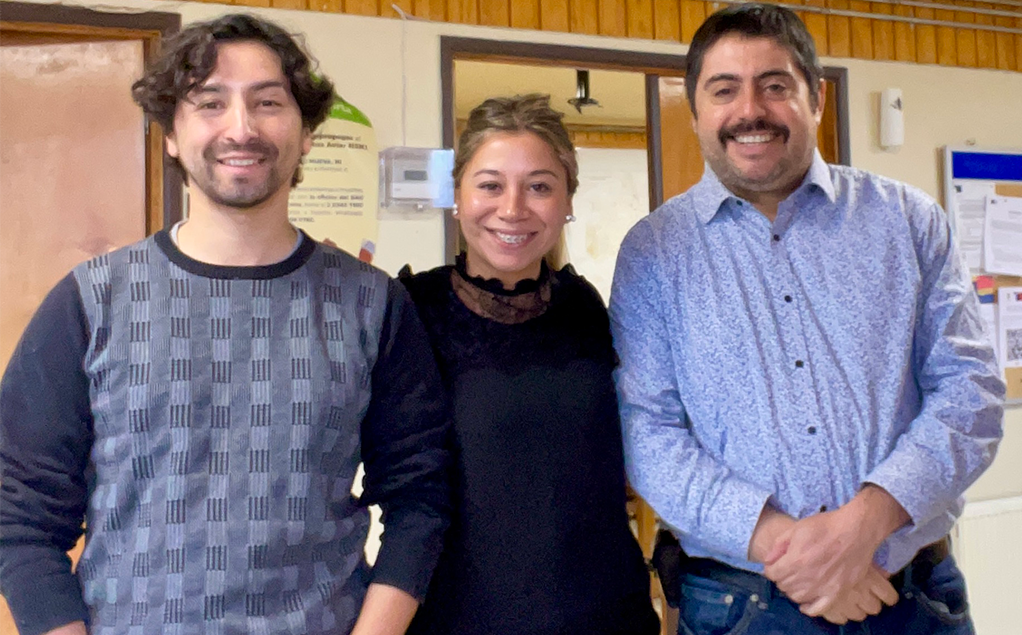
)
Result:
{"points": [[338, 197], [985, 289]]}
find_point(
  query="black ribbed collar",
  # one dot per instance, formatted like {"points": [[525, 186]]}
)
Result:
{"points": [[262, 272]]}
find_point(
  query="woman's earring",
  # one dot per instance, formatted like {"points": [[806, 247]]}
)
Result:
{"points": [[570, 218], [454, 210]]}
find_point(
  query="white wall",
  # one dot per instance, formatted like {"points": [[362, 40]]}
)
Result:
{"points": [[364, 57], [613, 194]]}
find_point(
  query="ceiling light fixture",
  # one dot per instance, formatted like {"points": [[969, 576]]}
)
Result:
{"points": [[582, 96]]}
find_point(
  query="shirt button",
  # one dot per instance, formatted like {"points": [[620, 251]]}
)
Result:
{"points": [[823, 508], [777, 238], [787, 298], [811, 430], [799, 363]]}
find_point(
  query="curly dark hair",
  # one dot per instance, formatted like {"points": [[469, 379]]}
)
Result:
{"points": [[190, 57]]}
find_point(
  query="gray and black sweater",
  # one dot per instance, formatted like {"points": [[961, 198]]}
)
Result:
{"points": [[206, 423]]}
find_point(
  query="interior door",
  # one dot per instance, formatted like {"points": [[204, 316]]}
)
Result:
{"points": [[676, 143], [73, 156], [72, 167]]}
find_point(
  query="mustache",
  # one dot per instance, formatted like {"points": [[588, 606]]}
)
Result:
{"points": [[255, 146], [746, 127]]}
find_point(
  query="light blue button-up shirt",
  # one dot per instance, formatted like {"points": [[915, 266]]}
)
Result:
{"points": [[795, 361]]}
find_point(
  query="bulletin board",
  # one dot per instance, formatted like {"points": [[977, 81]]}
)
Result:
{"points": [[970, 174]]}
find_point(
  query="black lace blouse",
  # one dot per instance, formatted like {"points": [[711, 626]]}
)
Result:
{"points": [[539, 543]]}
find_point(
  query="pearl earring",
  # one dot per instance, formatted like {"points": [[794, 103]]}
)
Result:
{"points": [[570, 218], [454, 211]]}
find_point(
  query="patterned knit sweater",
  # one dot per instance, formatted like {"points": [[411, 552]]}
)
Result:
{"points": [[207, 422]]}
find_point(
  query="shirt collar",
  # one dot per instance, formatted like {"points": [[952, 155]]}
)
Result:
{"points": [[710, 194]]}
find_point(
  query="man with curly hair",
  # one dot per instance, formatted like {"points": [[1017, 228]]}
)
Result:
{"points": [[202, 399]]}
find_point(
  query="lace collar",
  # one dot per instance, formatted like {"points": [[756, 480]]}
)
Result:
{"points": [[488, 297]]}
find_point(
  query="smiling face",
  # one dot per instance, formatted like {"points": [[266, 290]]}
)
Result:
{"points": [[239, 135], [755, 119], [512, 205]]}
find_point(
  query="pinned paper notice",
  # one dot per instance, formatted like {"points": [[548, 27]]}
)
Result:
{"points": [[1009, 300], [1002, 241], [969, 213]]}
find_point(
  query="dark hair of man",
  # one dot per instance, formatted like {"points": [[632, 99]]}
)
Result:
{"points": [[754, 20], [190, 57]]}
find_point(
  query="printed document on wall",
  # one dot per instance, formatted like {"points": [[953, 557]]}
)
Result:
{"points": [[1009, 302], [1002, 242], [338, 198], [968, 212]]}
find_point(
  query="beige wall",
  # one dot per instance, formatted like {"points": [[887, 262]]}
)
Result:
{"points": [[363, 55], [943, 106]]}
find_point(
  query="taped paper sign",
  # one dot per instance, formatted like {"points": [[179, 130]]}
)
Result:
{"points": [[337, 199]]}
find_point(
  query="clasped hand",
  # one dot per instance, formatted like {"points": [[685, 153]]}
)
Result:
{"points": [[824, 563]]}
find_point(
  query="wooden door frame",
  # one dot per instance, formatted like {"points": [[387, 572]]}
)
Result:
{"points": [[164, 183], [653, 65]]}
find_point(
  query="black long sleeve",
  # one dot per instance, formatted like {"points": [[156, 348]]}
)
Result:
{"points": [[404, 448], [45, 439], [539, 541]]}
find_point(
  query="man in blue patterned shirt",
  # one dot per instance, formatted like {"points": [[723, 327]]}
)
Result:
{"points": [[806, 386]]}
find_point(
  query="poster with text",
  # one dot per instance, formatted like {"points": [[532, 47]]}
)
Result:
{"points": [[338, 197]]}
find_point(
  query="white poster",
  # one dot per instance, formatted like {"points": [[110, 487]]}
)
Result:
{"points": [[1002, 244], [337, 199], [612, 196], [968, 211]]}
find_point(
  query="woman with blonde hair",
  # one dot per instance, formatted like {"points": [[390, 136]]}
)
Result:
{"points": [[539, 542]]}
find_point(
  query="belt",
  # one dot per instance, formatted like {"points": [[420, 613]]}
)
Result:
{"points": [[916, 572], [921, 568]]}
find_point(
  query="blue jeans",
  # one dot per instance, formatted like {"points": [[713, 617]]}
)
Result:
{"points": [[746, 604]]}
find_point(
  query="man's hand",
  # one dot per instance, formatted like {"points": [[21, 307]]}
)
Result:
{"points": [[821, 556], [771, 526], [825, 562], [867, 598]]}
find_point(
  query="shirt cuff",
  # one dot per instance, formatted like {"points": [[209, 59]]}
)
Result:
{"points": [[906, 481], [902, 546], [733, 519], [409, 550], [41, 602]]}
